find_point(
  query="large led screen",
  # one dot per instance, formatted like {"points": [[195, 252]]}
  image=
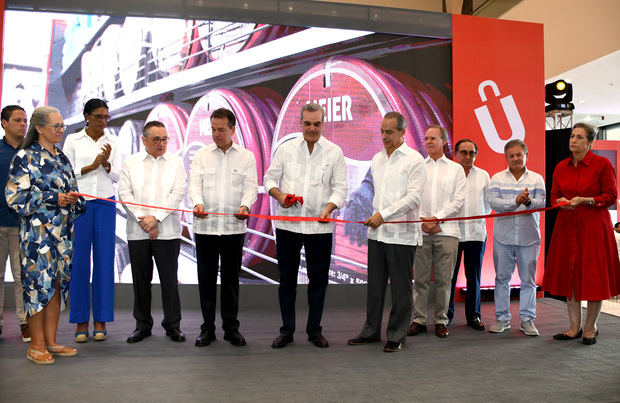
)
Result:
{"points": [[178, 71]]}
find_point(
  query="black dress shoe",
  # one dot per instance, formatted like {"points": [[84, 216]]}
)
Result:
{"points": [[359, 340], [235, 338], [175, 334], [282, 340], [138, 335], [564, 336], [588, 341], [393, 347], [415, 329], [318, 340], [476, 324], [204, 339]]}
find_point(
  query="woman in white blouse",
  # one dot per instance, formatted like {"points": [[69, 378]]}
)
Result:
{"points": [[94, 158]]}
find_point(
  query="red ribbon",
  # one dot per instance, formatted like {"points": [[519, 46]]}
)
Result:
{"points": [[291, 199], [297, 219]]}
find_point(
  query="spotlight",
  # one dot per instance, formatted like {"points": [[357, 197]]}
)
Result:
{"points": [[559, 95]]}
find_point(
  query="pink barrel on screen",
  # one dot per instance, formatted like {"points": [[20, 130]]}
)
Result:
{"points": [[355, 95], [174, 116]]}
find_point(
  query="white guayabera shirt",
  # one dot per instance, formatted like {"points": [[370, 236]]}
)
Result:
{"points": [[154, 182], [319, 178]]}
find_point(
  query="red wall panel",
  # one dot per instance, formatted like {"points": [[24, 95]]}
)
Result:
{"points": [[498, 78]]}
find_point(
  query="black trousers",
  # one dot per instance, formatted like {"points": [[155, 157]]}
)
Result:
{"points": [[473, 251], [318, 257], [210, 249], [166, 254], [393, 262]]}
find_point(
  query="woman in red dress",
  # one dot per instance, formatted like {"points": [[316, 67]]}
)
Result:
{"points": [[582, 263]]}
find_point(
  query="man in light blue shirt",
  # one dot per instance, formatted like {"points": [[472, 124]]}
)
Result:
{"points": [[516, 238]]}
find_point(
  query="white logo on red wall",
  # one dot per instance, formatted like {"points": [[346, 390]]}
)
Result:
{"points": [[486, 121]]}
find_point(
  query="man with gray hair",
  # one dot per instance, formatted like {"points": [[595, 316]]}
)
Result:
{"points": [[312, 168], [154, 177], [443, 196], [398, 173], [516, 238]]}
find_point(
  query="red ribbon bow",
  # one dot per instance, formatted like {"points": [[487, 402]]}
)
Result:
{"points": [[291, 199]]}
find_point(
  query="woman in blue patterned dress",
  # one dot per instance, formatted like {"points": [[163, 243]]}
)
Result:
{"points": [[39, 190]]}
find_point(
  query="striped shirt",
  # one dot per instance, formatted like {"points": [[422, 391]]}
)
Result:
{"points": [[519, 230]]}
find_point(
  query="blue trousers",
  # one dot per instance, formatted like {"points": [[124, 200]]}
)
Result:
{"points": [[473, 252], [94, 231], [505, 257]]}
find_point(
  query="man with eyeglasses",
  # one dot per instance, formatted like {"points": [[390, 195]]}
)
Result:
{"points": [[443, 195], [222, 178], [473, 232], [154, 177], [14, 123]]}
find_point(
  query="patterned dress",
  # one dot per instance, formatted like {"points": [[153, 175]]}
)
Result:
{"points": [[45, 229]]}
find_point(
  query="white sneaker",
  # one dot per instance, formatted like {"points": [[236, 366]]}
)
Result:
{"points": [[499, 327], [529, 329]]}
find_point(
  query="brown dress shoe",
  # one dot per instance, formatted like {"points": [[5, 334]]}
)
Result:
{"points": [[441, 330], [415, 329]]}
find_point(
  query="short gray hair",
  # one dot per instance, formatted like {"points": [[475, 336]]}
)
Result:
{"points": [[513, 143], [401, 123], [311, 107], [444, 132]]}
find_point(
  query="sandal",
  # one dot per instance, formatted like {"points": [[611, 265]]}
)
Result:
{"points": [[62, 351], [39, 358], [99, 335], [81, 337]]}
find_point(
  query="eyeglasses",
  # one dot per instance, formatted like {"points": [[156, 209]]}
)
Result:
{"points": [[101, 117], [466, 153], [158, 140], [58, 127]]}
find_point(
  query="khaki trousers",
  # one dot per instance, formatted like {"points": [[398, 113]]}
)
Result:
{"points": [[9, 247], [436, 256]]}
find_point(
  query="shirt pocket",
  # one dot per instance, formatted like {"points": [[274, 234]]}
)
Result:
{"points": [[238, 176], [447, 183], [208, 177], [324, 173]]}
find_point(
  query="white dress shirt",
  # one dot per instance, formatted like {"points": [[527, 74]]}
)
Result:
{"points": [[222, 182], [444, 192], [476, 203], [520, 230], [398, 181], [319, 178], [82, 150], [155, 182]]}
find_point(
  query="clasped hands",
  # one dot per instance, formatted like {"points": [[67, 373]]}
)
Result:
{"points": [[241, 214], [66, 199], [572, 203], [102, 159], [523, 198], [149, 225]]}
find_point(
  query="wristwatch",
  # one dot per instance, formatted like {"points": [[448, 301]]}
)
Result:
{"points": [[591, 201], [528, 203]]}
